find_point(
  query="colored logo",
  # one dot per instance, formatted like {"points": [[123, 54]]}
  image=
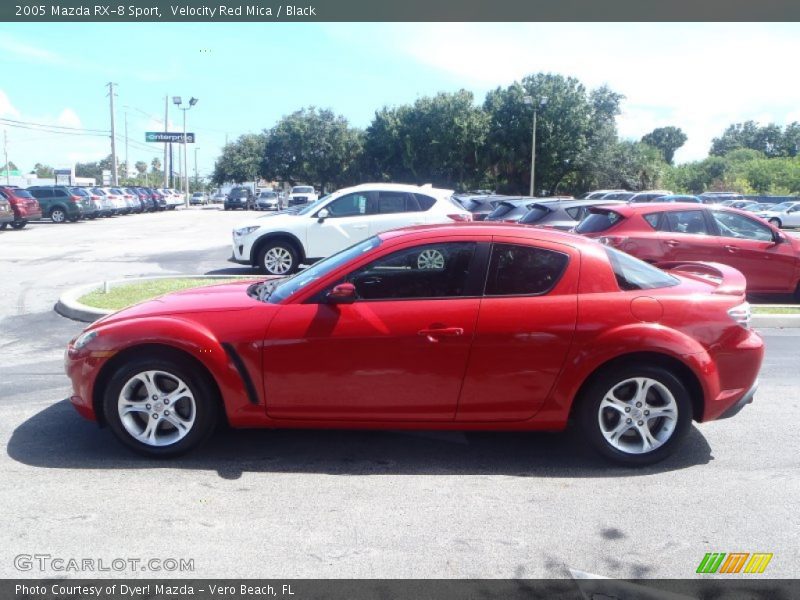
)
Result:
{"points": [[735, 562]]}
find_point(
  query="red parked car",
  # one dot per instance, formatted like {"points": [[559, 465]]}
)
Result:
{"points": [[664, 233], [24, 206], [460, 327]]}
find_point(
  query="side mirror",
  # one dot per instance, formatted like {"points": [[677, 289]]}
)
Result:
{"points": [[322, 215], [344, 293], [777, 237]]}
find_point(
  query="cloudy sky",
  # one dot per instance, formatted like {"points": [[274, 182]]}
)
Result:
{"points": [[699, 77]]}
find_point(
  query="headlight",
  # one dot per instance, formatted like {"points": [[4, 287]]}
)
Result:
{"points": [[244, 231], [83, 339]]}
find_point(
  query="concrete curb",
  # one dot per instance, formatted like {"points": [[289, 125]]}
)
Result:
{"points": [[779, 321], [68, 305]]}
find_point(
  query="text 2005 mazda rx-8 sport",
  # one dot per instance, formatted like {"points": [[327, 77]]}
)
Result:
{"points": [[463, 327]]}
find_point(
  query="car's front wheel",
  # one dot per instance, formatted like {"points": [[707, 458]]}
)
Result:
{"points": [[635, 415], [775, 221], [160, 406], [19, 224], [278, 258]]}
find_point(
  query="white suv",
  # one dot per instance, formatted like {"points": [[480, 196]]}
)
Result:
{"points": [[278, 243]]}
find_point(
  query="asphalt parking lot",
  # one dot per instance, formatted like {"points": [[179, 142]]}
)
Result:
{"points": [[355, 504]]}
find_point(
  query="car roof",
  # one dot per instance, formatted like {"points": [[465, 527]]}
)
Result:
{"points": [[484, 228], [398, 187]]}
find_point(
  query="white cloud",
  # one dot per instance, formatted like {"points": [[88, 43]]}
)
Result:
{"points": [[69, 118], [699, 77], [6, 108], [27, 51]]}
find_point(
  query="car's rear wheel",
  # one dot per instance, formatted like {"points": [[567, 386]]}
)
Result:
{"points": [[775, 221], [636, 415], [18, 224], [3, 226], [160, 406], [278, 258], [58, 215]]}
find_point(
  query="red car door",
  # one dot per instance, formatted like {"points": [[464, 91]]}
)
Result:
{"points": [[750, 246], [685, 235], [525, 329], [399, 352]]}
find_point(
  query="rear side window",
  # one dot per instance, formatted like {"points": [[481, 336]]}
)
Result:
{"points": [[426, 202], [656, 221], [523, 270], [391, 202], [688, 221], [598, 221], [634, 274]]}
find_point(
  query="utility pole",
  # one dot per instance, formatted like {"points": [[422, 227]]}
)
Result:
{"points": [[170, 167], [5, 151], [196, 181], [127, 164], [166, 128], [114, 179], [185, 164]]}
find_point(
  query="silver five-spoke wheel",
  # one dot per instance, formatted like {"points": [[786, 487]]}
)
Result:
{"points": [[278, 260], [430, 259], [156, 408], [638, 415]]}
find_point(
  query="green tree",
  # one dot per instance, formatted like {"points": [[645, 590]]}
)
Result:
{"points": [[313, 146], [155, 165], [240, 160], [667, 140], [769, 139], [43, 171], [436, 140], [574, 128]]}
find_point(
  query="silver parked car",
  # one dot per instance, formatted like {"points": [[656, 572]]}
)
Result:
{"points": [[785, 214], [268, 200], [563, 214]]}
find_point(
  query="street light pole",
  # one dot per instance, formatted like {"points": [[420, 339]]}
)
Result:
{"points": [[542, 103], [192, 101]]}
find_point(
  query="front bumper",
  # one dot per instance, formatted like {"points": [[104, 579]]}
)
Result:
{"points": [[743, 401]]}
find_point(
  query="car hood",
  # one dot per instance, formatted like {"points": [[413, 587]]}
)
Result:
{"points": [[222, 297], [279, 219]]}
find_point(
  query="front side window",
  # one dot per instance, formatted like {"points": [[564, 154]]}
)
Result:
{"points": [[351, 205], [734, 225], [688, 221], [429, 271], [524, 270]]}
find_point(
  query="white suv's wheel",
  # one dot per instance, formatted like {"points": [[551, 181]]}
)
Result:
{"points": [[278, 258], [636, 415]]}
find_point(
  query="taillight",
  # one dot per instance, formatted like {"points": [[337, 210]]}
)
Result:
{"points": [[741, 314], [75, 198], [460, 217], [613, 240]]}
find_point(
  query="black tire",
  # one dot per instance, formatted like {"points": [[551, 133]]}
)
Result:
{"points": [[199, 383], [280, 245], [58, 215], [776, 221], [589, 414], [3, 226], [18, 224]]}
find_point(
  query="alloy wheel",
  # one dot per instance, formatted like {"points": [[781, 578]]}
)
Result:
{"points": [[278, 260], [638, 415], [430, 259], [58, 216], [156, 408]]}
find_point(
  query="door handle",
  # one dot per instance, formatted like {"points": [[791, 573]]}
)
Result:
{"points": [[433, 335], [732, 249], [673, 243], [359, 226]]}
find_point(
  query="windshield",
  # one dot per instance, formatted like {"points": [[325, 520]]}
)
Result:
{"points": [[782, 206], [303, 190], [22, 194], [289, 286]]}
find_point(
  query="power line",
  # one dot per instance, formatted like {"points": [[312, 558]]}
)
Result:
{"points": [[43, 130], [52, 126]]}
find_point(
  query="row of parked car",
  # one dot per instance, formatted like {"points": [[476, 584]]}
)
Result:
{"points": [[61, 204], [661, 233]]}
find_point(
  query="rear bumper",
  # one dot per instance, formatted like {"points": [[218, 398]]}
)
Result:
{"points": [[743, 401]]}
